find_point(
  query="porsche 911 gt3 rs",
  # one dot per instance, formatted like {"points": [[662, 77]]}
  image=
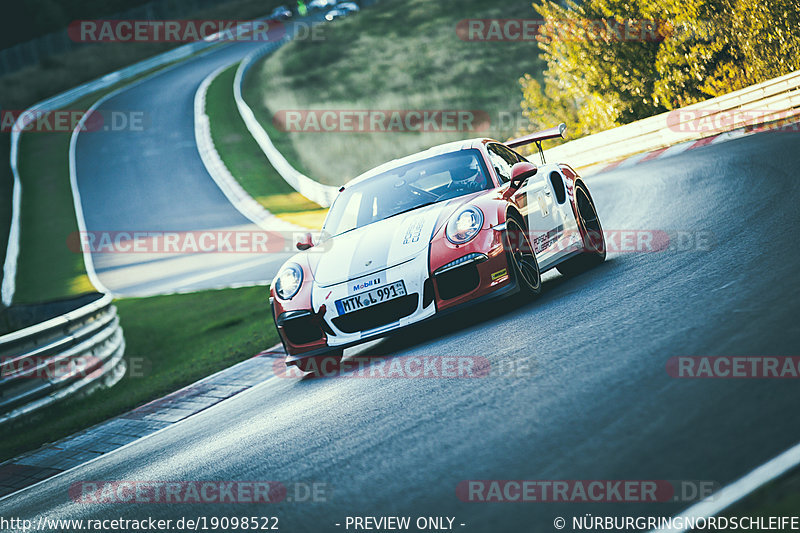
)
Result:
{"points": [[455, 225]]}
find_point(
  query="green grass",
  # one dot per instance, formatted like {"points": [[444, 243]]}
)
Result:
{"points": [[181, 338], [396, 55], [47, 269], [242, 155]]}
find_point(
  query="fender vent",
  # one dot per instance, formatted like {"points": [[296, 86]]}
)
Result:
{"points": [[558, 187]]}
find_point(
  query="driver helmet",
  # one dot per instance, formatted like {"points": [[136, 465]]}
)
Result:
{"points": [[468, 174]]}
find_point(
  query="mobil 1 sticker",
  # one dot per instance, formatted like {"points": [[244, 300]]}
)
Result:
{"points": [[366, 283]]}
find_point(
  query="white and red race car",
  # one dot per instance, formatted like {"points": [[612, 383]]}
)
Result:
{"points": [[454, 225]]}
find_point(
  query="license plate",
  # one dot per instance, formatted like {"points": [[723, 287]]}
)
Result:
{"points": [[371, 297]]}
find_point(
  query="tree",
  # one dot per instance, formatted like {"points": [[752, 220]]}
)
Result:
{"points": [[610, 62]]}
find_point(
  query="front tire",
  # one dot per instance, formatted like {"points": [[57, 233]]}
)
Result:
{"points": [[521, 259], [594, 242]]}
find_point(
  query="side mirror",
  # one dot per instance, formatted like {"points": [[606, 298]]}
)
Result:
{"points": [[520, 172], [305, 242]]}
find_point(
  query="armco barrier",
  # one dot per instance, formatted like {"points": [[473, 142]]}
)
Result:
{"points": [[311, 189], [779, 95], [69, 354]]}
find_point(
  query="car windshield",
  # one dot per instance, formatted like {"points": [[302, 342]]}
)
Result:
{"points": [[407, 187]]}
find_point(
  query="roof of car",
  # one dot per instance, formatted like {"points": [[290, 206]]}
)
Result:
{"points": [[424, 154]]}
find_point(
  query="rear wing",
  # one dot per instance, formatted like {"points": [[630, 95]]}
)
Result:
{"points": [[538, 137]]}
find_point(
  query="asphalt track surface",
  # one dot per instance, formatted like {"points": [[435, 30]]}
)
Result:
{"points": [[598, 403], [151, 179]]}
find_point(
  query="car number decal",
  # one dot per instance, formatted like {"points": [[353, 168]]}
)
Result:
{"points": [[413, 231]]}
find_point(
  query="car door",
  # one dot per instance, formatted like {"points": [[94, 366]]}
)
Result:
{"points": [[564, 236], [535, 201]]}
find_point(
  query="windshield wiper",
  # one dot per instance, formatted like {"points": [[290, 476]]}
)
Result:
{"points": [[390, 216], [412, 208]]}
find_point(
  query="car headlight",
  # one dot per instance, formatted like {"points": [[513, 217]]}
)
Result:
{"points": [[465, 225], [288, 281]]}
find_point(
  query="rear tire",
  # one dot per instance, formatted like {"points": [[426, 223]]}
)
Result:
{"points": [[594, 242], [320, 364], [521, 259]]}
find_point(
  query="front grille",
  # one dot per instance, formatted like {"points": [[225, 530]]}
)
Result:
{"points": [[458, 281], [377, 315], [302, 330]]}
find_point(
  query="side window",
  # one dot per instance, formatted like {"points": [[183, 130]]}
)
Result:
{"points": [[500, 162], [507, 154], [518, 156]]}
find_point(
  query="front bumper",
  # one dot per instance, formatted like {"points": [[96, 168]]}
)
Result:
{"points": [[359, 325], [496, 294], [308, 333]]}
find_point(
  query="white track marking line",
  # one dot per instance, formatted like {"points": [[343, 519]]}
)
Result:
{"points": [[740, 488], [76, 197], [185, 282], [73, 172], [12, 251], [8, 287]]}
